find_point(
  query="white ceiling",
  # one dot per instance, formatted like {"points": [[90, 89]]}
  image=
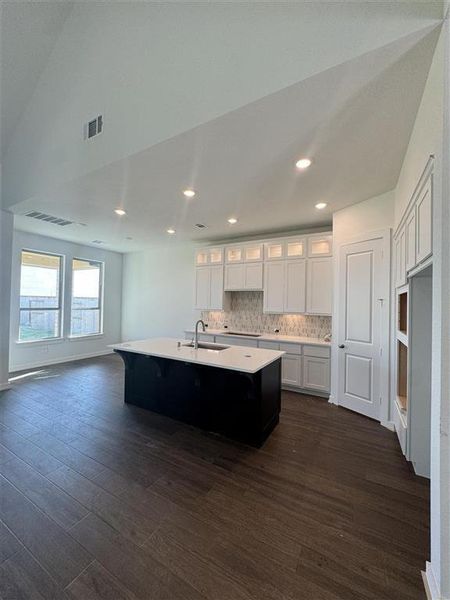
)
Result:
{"points": [[29, 31], [354, 120]]}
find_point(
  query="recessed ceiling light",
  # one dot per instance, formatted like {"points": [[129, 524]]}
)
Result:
{"points": [[189, 193], [171, 231], [232, 221], [120, 212], [303, 163], [321, 205]]}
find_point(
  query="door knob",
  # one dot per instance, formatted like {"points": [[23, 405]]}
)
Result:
{"points": [[341, 346]]}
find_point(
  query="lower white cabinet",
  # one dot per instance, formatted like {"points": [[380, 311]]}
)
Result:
{"points": [[244, 276], [319, 287], [316, 373], [291, 370]]}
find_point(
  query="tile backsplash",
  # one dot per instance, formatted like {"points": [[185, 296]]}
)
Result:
{"points": [[246, 314]]}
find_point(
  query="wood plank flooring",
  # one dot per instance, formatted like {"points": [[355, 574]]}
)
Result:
{"points": [[103, 501]]}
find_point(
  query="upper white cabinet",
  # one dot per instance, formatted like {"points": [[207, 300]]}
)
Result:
{"points": [[400, 258], [285, 286], [294, 247], [413, 240], [209, 256], [244, 253], [244, 276], [320, 245], [319, 287], [410, 241], [424, 218], [209, 292], [244, 267]]}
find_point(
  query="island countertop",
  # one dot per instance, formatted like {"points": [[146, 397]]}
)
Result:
{"points": [[235, 358]]}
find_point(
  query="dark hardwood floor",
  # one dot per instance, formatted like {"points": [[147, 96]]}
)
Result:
{"points": [[99, 500]]}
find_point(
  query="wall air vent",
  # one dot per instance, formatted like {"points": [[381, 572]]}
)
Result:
{"points": [[34, 214], [93, 128]]}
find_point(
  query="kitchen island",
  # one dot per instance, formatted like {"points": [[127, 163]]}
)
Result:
{"points": [[230, 390]]}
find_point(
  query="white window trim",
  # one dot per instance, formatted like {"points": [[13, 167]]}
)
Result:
{"points": [[62, 271]]}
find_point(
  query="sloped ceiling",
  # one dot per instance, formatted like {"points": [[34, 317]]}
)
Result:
{"points": [[29, 31], [223, 97]]}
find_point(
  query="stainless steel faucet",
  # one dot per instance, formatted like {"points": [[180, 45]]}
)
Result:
{"points": [[196, 332]]}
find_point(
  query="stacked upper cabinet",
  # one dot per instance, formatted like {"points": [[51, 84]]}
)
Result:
{"points": [[209, 291], [244, 267], [298, 275], [413, 238]]}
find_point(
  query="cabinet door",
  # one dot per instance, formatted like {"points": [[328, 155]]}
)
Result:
{"points": [[254, 276], [253, 252], [274, 250], [274, 287], [235, 277], [400, 259], [295, 286], [316, 373], [319, 290], [201, 256], [234, 254], [410, 241], [216, 288], [291, 370], [202, 288], [424, 214], [320, 245]]}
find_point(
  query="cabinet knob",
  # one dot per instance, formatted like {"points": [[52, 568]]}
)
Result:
{"points": [[341, 346]]}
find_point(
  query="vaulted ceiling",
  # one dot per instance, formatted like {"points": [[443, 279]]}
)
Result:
{"points": [[351, 111]]}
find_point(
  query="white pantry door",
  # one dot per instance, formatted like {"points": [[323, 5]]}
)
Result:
{"points": [[359, 342]]}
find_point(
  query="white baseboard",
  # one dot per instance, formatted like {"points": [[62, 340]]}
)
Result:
{"points": [[4, 386], [430, 583], [55, 361], [332, 400]]}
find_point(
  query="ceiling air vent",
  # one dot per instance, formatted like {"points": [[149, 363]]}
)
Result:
{"points": [[97, 242], [93, 128], [200, 226], [34, 214]]}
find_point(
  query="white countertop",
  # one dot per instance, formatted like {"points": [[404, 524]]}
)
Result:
{"points": [[270, 337], [235, 358]]}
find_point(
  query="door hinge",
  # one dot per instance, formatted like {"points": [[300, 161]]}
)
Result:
{"points": [[381, 399]]}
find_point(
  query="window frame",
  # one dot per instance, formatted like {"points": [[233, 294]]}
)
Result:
{"points": [[60, 307], [75, 336]]}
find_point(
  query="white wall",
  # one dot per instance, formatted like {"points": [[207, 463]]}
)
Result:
{"points": [[27, 355], [428, 138], [6, 237], [373, 214], [158, 291], [168, 54]]}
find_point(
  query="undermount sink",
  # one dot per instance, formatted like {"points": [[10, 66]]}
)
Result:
{"points": [[206, 346], [244, 334]]}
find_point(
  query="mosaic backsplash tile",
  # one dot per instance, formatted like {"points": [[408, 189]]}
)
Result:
{"points": [[246, 314]]}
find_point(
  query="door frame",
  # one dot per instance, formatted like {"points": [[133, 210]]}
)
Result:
{"points": [[385, 334]]}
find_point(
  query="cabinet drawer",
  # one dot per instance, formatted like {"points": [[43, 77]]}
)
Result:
{"points": [[319, 351], [290, 348], [269, 345], [234, 341]]}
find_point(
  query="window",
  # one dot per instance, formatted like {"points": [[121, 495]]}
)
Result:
{"points": [[87, 281], [40, 296]]}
